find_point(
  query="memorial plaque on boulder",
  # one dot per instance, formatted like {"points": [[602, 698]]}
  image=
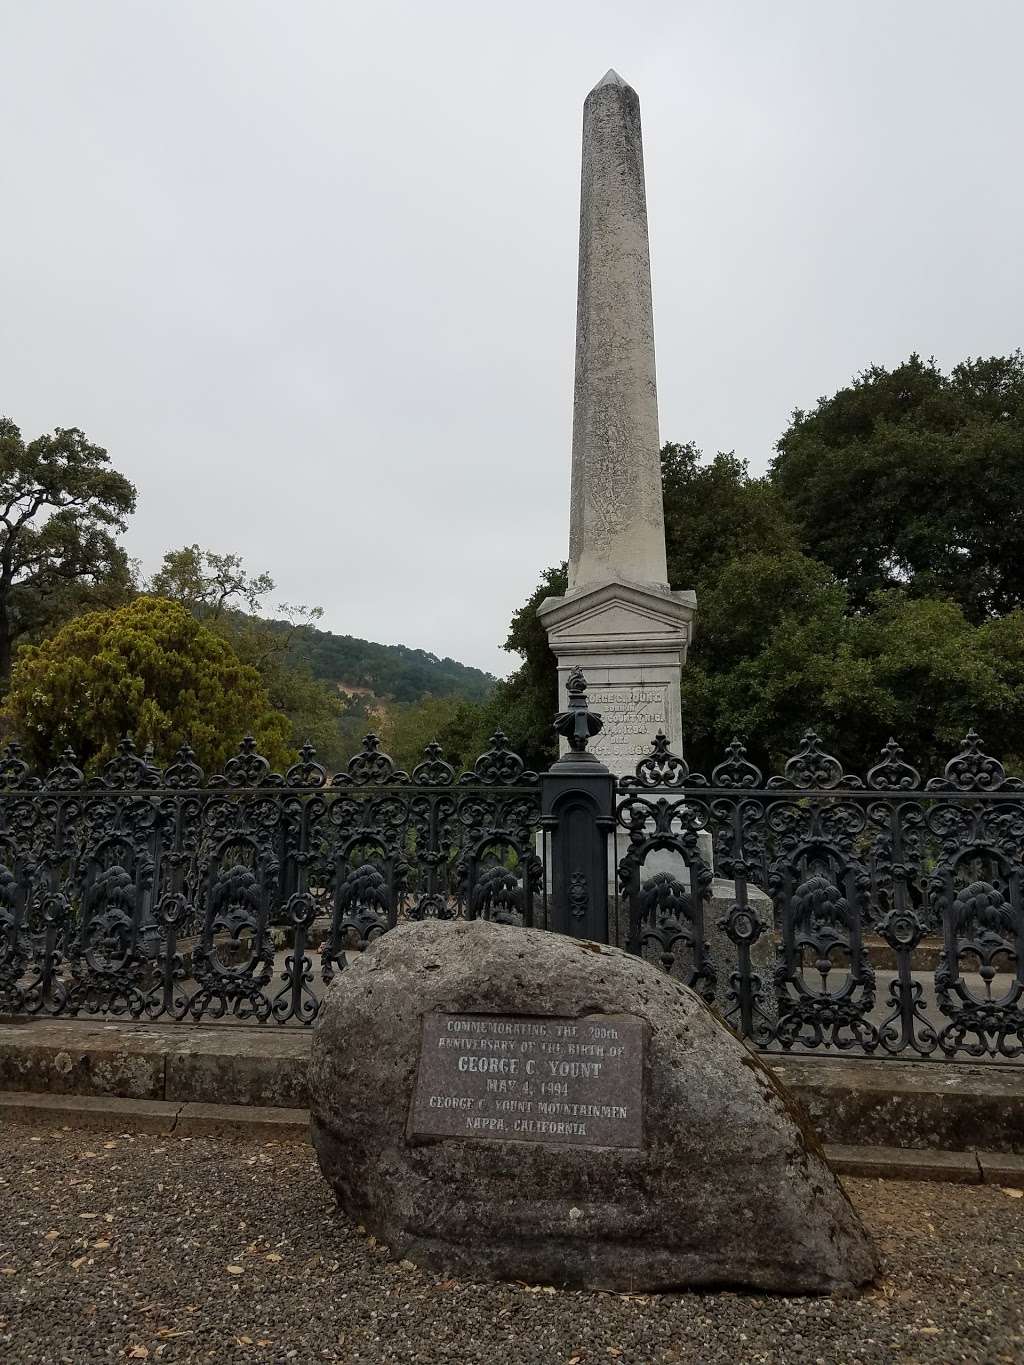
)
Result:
{"points": [[502, 1076], [502, 1103]]}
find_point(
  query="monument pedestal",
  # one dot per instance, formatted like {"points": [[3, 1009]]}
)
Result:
{"points": [[630, 639]]}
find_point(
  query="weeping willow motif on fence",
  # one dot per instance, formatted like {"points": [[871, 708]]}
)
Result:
{"points": [[898, 926], [895, 925], [172, 895]]}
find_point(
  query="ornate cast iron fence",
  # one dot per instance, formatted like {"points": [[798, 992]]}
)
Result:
{"points": [[895, 925], [169, 895]]}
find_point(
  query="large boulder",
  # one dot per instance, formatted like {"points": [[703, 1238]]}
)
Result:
{"points": [[503, 1103]]}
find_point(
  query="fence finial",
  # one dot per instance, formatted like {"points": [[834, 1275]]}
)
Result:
{"points": [[577, 723]]}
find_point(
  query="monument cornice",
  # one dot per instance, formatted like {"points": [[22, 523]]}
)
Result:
{"points": [[620, 617]]}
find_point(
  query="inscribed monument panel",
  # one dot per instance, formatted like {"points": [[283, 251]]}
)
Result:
{"points": [[632, 716], [531, 1079]]}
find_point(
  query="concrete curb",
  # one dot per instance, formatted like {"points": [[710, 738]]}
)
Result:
{"points": [[942, 1106], [898, 1163], [176, 1062], [165, 1117], [895, 1163], [258, 1123], [854, 1102]]}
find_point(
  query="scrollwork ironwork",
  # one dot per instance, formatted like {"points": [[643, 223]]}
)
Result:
{"points": [[173, 895], [882, 881]]}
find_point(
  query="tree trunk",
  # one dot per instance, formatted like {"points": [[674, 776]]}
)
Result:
{"points": [[6, 645]]}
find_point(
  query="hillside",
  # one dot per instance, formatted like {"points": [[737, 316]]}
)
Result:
{"points": [[390, 672]]}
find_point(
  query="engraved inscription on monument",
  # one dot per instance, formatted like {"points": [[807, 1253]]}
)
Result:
{"points": [[632, 717], [518, 1078]]}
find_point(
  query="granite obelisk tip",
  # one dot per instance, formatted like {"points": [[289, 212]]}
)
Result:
{"points": [[611, 77]]}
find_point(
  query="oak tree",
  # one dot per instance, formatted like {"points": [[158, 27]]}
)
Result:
{"points": [[911, 478], [61, 506]]}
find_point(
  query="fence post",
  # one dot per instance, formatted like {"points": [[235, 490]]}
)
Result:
{"points": [[578, 811]]}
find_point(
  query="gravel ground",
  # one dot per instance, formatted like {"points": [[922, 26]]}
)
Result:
{"points": [[168, 1249]]}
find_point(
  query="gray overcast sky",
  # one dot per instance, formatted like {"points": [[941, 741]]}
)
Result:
{"points": [[308, 270]]}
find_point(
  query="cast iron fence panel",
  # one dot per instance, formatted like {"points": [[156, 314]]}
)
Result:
{"points": [[896, 927], [887, 864], [169, 895]]}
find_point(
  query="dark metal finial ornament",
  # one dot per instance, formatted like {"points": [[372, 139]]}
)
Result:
{"points": [[577, 724]]}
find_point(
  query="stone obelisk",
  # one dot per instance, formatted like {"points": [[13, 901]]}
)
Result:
{"points": [[619, 620]]}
